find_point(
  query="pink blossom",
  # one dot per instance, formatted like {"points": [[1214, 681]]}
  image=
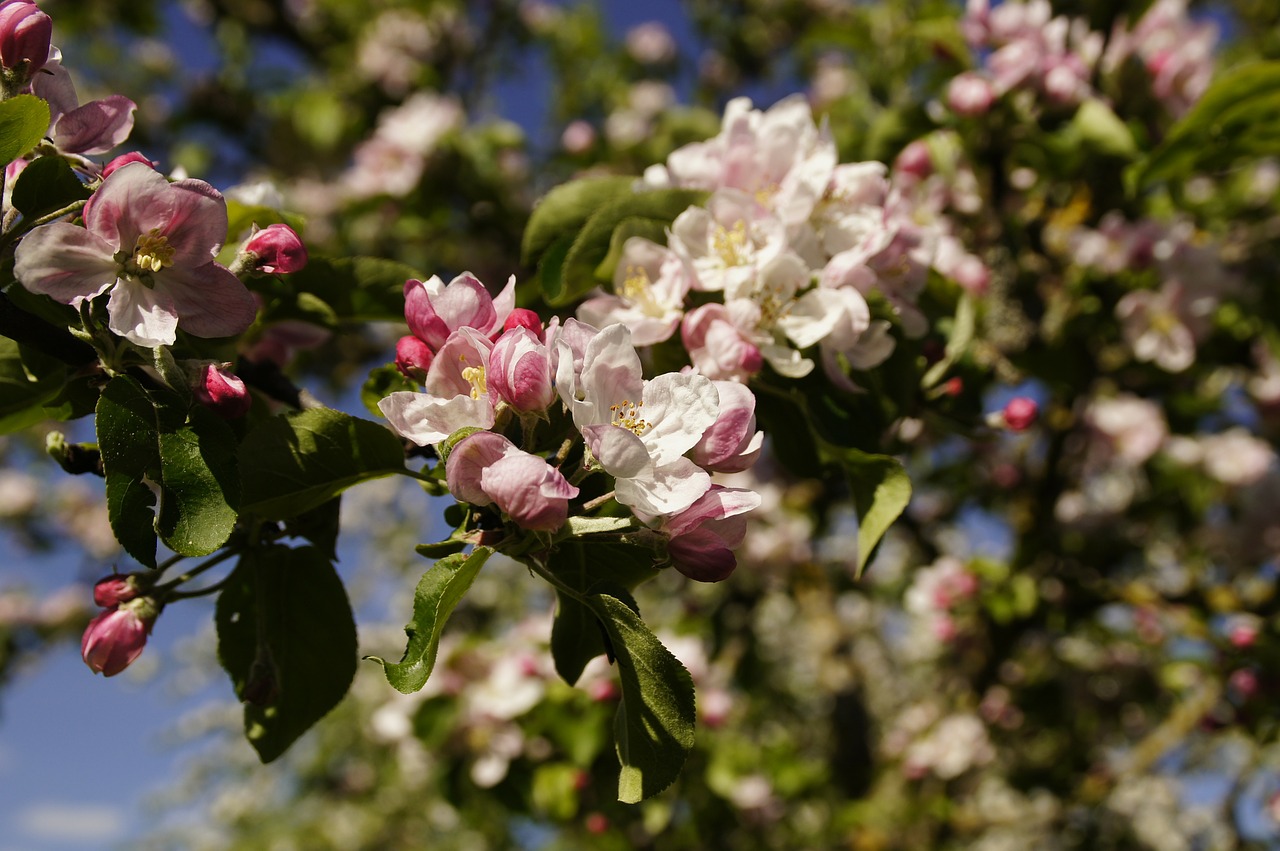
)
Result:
{"points": [[434, 310], [485, 468], [116, 637], [717, 347], [914, 160], [223, 392], [152, 244], [649, 288], [25, 32], [123, 160], [704, 535], [1020, 413], [970, 94], [731, 444], [276, 249], [457, 392], [520, 371], [523, 317], [93, 128]]}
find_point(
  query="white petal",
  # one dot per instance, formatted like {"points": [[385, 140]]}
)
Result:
{"points": [[678, 408], [427, 419], [668, 490], [141, 314]]}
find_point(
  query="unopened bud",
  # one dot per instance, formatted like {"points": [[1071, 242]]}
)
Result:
{"points": [[1020, 413], [115, 638], [276, 249], [25, 32], [115, 589], [223, 392], [413, 358], [123, 160], [915, 160], [523, 317]]}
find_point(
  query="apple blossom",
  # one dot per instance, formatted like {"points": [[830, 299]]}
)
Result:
{"points": [[25, 32], [457, 392], [434, 310], [222, 392], [639, 430], [151, 243], [92, 128], [523, 317], [485, 468], [703, 536], [413, 358], [649, 288], [716, 346], [520, 371], [123, 160], [115, 589], [731, 444]]}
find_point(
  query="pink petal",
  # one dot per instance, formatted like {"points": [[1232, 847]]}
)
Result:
{"points": [[64, 262], [618, 450], [96, 127], [667, 490], [467, 463], [211, 302]]}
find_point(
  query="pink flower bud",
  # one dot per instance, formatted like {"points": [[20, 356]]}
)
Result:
{"points": [[970, 94], [277, 249], [523, 317], [1020, 413], [915, 160], [717, 347], [485, 468], [223, 393], [704, 534], [113, 590], [413, 358], [115, 638], [123, 160], [520, 371], [1243, 682], [25, 32]]}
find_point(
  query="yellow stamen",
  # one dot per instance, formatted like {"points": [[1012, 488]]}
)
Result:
{"points": [[627, 415], [152, 252], [474, 375], [731, 243]]}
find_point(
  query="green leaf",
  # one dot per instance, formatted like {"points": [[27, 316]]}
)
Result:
{"points": [[28, 381], [1237, 117], [566, 209], [381, 383], [200, 484], [23, 122], [287, 638], [438, 594], [655, 721], [1099, 128], [357, 289], [654, 230], [591, 246], [46, 185], [881, 491], [295, 462], [962, 329], [146, 443]]}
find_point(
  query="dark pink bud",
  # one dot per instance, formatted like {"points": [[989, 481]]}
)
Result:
{"points": [[597, 823], [522, 317], [1243, 682], [1021, 413], [276, 249], [123, 160], [24, 36], [115, 638], [413, 358], [223, 393], [113, 590], [915, 160]]}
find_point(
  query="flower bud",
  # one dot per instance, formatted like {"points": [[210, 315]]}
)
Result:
{"points": [[915, 160], [523, 317], [115, 638], [1020, 413], [25, 32], [731, 444], [970, 95], [413, 358], [223, 393], [123, 160], [115, 589], [276, 249], [520, 371]]}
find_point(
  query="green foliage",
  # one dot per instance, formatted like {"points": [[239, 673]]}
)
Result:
{"points": [[23, 122], [46, 185], [296, 462], [287, 639], [354, 289], [881, 491], [438, 594], [149, 440], [381, 383], [28, 382], [655, 721], [1238, 117]]}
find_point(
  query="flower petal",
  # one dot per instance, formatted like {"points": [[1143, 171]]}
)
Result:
{"points": [[667, 490], [142, 315], [96, 127], [679, 409], [211, 302], [64, 262], [427, 419], [620, 452]]}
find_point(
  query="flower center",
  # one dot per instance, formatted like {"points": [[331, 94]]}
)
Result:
{"points": [[637, 288], [730, 244], [152, 252], [474, 375], [627, 415], [774, 304]]}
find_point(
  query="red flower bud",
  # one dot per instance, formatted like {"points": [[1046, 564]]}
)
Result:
{"points": [[1020, 413], [223, 393], [113, 590], [123, 160], [276, 249], [25, 32], [115, 638], [413, 358], [523, 317]]}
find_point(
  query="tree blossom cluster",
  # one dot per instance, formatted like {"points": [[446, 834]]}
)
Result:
{"points": [[485, 366]]}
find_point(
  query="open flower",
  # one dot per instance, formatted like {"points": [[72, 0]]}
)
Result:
{"points": [[649, 287], [639, 430], [152, 244], [434, 310], [457, 394]]}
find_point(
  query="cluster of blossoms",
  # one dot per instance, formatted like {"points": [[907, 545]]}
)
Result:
{"points": [[1026, 48], [792, 241], [117, 635], [485, 366]]}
